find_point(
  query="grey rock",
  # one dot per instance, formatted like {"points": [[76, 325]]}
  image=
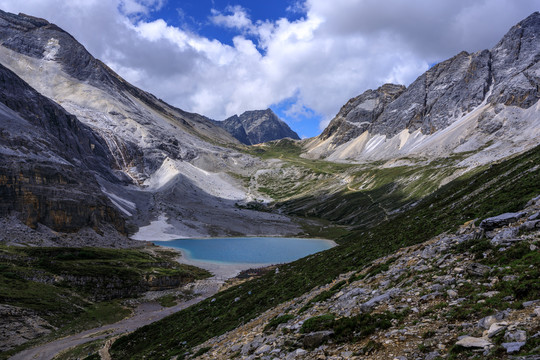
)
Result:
{"points": [[476, 269], [487, 321], [530, 303], [513, 347], [262, 349], [53, 160], [258, 126], [509, 278], [500, 220], [355, 291], [505, 236], [432, 355], [359, 113], [535, 216], [315, 339], [474, 342], [496, 329], [515, 335], [431, 296], [436, 287], [296, 353], [380, 298], [530, 225], [514, 60]]}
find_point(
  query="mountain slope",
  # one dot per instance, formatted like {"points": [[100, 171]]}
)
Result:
{"points": [[258, 126], [50, 162], [504, 187], [179, 163], [486, 102]]}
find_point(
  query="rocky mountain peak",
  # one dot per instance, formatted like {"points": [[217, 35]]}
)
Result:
{"points": [[360, 112], [463, 100], [257, 126], [516, 66]]}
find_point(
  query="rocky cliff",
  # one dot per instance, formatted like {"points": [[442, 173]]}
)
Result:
{"points": [[471, 102], [258, 126], [50, 162]]}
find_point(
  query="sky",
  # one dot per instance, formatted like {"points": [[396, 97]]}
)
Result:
{"points": [[302, 58]]}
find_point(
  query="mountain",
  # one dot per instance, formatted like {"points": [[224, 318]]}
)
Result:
{"points": [[50, 162], [401, 179], [258, 126], [179, 163], [484, 102], [449, 272]]}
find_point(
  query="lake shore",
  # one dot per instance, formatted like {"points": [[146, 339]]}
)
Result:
{"points": [[221, 271]]}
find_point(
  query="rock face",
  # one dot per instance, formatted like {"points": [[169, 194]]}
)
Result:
{"points": [[461, 104], [49, 163], [258, 126], [360, 112]]}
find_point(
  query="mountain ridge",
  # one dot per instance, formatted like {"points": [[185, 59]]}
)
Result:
{"points": [[257, 126], [496, 83]]}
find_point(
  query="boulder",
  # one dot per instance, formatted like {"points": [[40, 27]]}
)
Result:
{"points": [[501, 220], [496, 329], [476, 269], [315, 339], [515, 336], [474, 342], [379, 299], [513, 347], [504, 236]]}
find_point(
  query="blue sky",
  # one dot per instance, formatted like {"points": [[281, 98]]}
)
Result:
{"points": [[194, 16], [303, 58]]}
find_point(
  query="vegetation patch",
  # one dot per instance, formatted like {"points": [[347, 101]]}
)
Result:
{"points": [[272, 324], [75, 289]]}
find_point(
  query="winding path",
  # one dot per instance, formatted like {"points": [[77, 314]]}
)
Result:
{"points": [[145, 314]]}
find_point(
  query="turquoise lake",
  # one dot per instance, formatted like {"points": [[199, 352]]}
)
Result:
{"points": [[253, 250]]}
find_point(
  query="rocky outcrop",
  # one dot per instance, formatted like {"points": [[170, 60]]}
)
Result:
{"points": [[19, 326], [258, 126], [50, 162], [360, 112]]}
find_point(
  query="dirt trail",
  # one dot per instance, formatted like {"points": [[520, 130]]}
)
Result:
{"points": [[146, 313]]}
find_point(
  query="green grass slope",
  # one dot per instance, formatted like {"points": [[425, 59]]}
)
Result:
{"points": [[75, 289], [503, 187]]}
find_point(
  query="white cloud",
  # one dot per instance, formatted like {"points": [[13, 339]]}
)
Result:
{"points": [[335, 51], [237, 18]]}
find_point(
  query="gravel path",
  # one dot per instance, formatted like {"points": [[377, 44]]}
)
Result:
{"points": [[146, 313]]}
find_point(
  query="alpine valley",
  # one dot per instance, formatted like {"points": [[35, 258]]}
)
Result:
{"points": [[431, 191]]}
